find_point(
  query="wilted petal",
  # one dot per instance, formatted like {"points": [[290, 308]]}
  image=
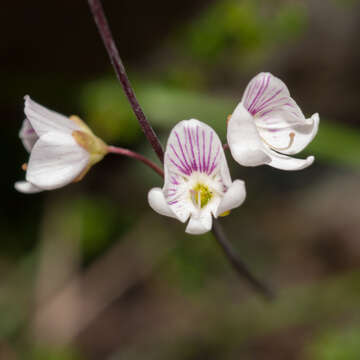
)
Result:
{"points": [[158, 203], [26, 187], [199, 225], [44, 120], [55, 161], [28, 135], [246, 146], [233, 198]]}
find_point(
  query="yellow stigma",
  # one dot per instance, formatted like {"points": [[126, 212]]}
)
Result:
{"points": [[201, 195]]}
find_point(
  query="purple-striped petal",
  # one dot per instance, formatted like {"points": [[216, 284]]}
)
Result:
{"points": [[268, 121], [280, 121]]}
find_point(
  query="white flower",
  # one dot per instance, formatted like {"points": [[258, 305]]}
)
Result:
{"points": [[61, 149], [197, 181], [267, 125]]}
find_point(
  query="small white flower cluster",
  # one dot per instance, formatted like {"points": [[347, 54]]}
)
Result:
{"points": [[265, 128]]}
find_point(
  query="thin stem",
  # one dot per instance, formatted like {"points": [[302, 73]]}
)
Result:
{"points": [[104, 30], [237, 264], [103, 27], [137, 156]]}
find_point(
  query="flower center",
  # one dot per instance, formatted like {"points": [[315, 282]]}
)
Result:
{"points": [[200, 195]]}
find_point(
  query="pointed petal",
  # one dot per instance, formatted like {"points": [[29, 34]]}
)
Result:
{"points": [[26, 187], [233, 198], [284, 162], [199, 225], [158, 203], [192, 147], [28, 135], [55, 161], [44, 120], [246, 146]]}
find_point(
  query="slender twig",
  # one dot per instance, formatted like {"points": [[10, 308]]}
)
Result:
{"points": [[137, 156], [103, 27], [104, 30], [236, 262]]}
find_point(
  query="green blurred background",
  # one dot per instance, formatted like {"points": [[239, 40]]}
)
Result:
{"points": [[91, 272]]}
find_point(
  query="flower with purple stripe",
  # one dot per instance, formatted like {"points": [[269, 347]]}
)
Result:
{"points": [[267, 126], [197, 182]]}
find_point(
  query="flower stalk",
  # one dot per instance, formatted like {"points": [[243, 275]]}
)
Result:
{"points": [[237, 264], [105, 33], [136, 156]]}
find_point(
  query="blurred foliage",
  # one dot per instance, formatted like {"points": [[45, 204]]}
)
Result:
{"points": [[335, 344], [243, 30], [53, 353]]}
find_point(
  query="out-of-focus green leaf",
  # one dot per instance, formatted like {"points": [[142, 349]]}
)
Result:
{"points": [[42, 353], [106, 120], [335, 345], [243, 30], [336, 143]]}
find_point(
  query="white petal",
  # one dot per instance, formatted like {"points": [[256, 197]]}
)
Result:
{"points": [[192, 147], [290, 139], [280, 121], [284, 162], [266, 93], [44, 120], [26, 187], [158, 203], [28, 135], [199, 225], [246, 146], [233, 198], [55, 161]]}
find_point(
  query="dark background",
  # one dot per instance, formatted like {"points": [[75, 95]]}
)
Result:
{"points": [[91, 272]]}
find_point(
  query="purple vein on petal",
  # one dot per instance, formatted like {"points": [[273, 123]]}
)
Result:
{"points": [[192, 149], [174, 181], [178, 157], [210, 150], [184, 171], [203, 148], [182, 151], [259, 93], [214, 165], [198, 147], [187, 150], [267, 101]]}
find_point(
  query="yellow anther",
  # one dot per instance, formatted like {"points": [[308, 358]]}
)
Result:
{"points": [[24, 166], [226, 213], [200, 195], [228, 119]]}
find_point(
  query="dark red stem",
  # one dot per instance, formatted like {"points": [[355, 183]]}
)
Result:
{"points": [[137, 156], [104, 30]]}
